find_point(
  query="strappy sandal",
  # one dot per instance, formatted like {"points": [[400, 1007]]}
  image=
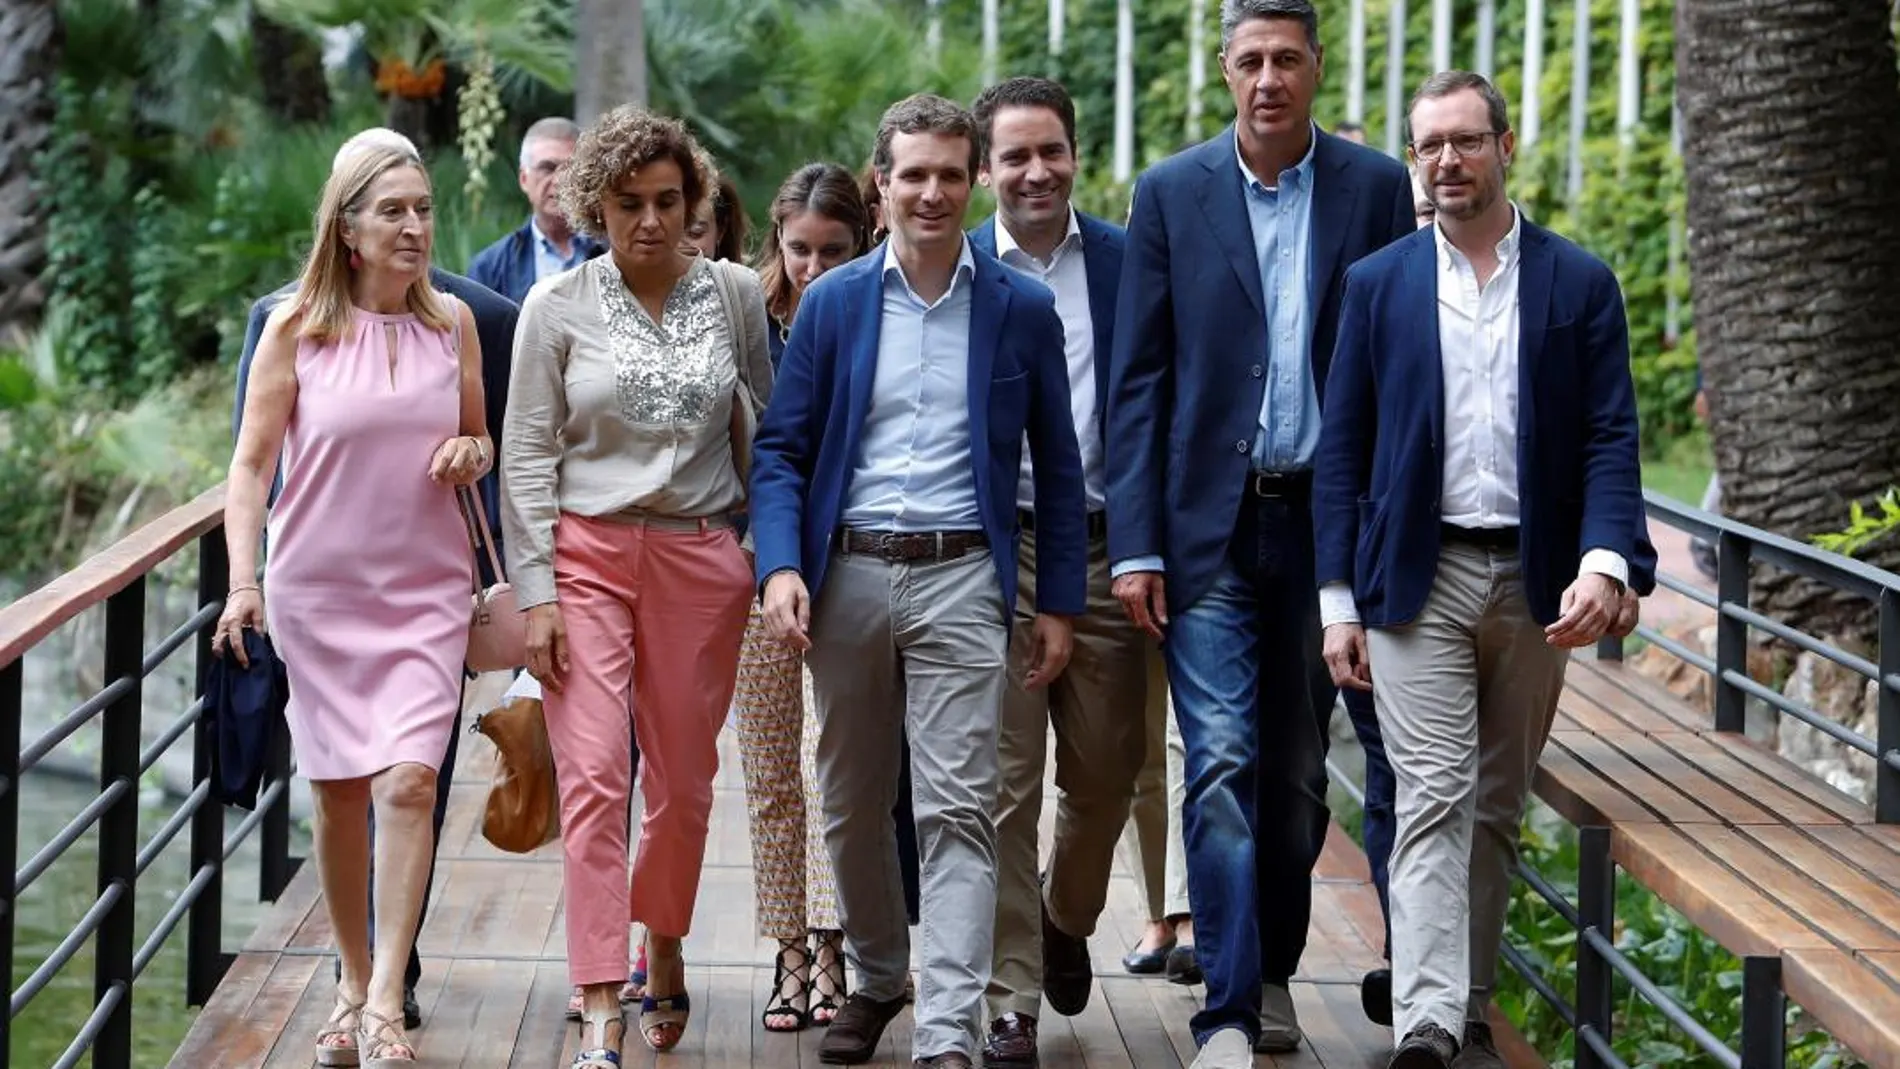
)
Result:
{"points": [[663, 1019], [788, 1012], [334, 1055], [630, 991], [604, 1055], [379, 1044], [831, 975]]}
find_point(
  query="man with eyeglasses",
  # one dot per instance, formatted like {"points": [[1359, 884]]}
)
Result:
{"points": [[1478, 510], [545, 245]]}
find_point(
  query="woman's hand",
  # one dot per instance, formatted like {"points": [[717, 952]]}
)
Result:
{"points": [[459, 461], [547, 646], [243, 607]]}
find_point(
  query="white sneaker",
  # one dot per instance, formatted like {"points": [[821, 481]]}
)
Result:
{"points": [[1225, 1049]]}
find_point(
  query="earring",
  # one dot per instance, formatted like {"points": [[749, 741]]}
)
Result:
{"points": [[356, 260]]}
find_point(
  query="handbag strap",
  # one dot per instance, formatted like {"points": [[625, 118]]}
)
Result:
{"points": [[480, 540], [744, 421]]}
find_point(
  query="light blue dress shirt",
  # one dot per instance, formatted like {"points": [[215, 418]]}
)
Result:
{"points": [[548, 260], [914, 469], [1282, 221]]}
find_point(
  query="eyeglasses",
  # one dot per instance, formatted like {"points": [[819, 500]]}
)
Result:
{"points": [[1462, 145]]}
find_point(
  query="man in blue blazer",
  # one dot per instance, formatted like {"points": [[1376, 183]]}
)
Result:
{"points": [[495, 328], [1098, 706], [1229, 300], [544, 245], [884, 512], [1478, 510]]}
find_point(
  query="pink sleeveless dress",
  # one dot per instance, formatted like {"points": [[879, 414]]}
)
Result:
{"points": [[369, 570]]}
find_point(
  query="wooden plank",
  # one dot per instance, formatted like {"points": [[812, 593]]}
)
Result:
{"points": [[278, 927], [1631, 697], [543, 1026], [1338, 1036], [204, 1042], [1655, 753], [1731, 910], [1613, 766], [1854, 1004], [1576, 791], [1797, 890], [1797, 793], [1854, 845], [1774, 786], [244, 1038], [1141, 1034], [1886, 963], [1856, 891]]}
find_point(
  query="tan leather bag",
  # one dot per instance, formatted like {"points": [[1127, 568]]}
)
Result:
{"points": [[524, 806]]}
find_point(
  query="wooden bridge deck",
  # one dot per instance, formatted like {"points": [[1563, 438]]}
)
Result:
{"points": [[494, 982]]}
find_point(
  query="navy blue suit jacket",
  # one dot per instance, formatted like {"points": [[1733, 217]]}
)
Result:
{"points": [[1379, 476], [507, 266], [1187, 376], [495, 317], [1102, 246], [810, 439]]}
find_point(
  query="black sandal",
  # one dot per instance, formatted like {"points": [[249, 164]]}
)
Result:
{"points": [[825, 1010], [793, 959]]}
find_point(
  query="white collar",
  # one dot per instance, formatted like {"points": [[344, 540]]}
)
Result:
{"points": [[1006, 242], [1507, 245], [966, 263]]}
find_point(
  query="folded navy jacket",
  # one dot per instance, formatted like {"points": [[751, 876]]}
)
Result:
{"points": [[245, 707]]}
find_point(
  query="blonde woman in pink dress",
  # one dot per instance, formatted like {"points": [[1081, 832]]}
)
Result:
{"points": [[367, 388]]}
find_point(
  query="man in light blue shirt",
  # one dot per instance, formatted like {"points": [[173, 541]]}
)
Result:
{"points": [[883, 502]]}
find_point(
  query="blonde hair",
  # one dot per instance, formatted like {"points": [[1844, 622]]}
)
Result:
{"points": [[322, 301]]}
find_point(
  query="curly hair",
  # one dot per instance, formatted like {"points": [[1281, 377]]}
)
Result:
{"points": [[619, 144]]}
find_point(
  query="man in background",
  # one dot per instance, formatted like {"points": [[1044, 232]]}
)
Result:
{"points": [[544, 245]]}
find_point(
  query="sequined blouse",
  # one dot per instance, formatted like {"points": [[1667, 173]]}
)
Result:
{"points": [[610, 412]]}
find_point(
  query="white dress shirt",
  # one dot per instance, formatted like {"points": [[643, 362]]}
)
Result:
{"points": [[1478, 331], [914, 470], [1066, 274]]}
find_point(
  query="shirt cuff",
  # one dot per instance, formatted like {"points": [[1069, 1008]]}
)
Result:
{"points": [[1605, 562], [1336, 605], [1135, 564]]}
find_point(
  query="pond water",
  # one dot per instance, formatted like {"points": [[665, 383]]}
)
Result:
{"points": [[56, 902]]}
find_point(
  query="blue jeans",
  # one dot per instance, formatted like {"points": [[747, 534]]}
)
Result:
{"points": [[1380, 825], [1252, 697]]}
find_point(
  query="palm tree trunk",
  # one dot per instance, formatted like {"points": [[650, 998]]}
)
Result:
{"points": [[1791, 146], [289, 63], [611, 62], [29, 62]]}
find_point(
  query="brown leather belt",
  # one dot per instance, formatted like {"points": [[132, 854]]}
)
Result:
{"points": [[911, 547]]}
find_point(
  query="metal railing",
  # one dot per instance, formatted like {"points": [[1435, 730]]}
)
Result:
{"points": [[1593, 915], [1738, 549], [118, 578]]}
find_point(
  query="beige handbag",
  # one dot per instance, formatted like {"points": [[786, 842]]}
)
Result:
{"points": [[497, 631], [745, 405]]}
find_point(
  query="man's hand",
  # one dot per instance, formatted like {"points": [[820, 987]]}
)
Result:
{"points": [[1144, 597], [1628, 614], [787, 609], [1049, 647], [1346, 656], [1590, 605]]}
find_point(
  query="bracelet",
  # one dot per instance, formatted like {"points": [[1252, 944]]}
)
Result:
{"points": [[243, 588]]}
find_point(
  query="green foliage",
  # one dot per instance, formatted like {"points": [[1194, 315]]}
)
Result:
{"points": [[529, 40], [1864, 528]]}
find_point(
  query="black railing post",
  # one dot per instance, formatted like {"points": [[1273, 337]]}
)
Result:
{"points": [[1887, 735], [1596, 909], [12, 680], [1731, 635], [276, 866], [119, 826], [1764, 1014], [205, 962]]}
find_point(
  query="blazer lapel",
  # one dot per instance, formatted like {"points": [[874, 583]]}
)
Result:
{"points": [[1223, 200], [989, 306], [1335, 195], [1421, 277], [1535, 271], [1104, 281], [863, 316]]}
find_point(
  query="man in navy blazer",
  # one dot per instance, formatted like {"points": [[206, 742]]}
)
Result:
{"points": [[1478, 510], [495, 328], [544, 245], [1098, 706], [1229, 300], [883, 504]]}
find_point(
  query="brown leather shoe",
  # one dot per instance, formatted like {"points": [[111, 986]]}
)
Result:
{"points": [[854, 1034], [953, 1060], [1012, 1043]]}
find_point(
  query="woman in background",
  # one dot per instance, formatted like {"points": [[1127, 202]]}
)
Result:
{"points": [[719, 228], [818, 221]]}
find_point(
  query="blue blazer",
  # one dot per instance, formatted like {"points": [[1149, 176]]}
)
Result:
{"points": [[507, 266], [1187, 375], [1102, 247], [495, 318], [1379, 476], [808, 443]]}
